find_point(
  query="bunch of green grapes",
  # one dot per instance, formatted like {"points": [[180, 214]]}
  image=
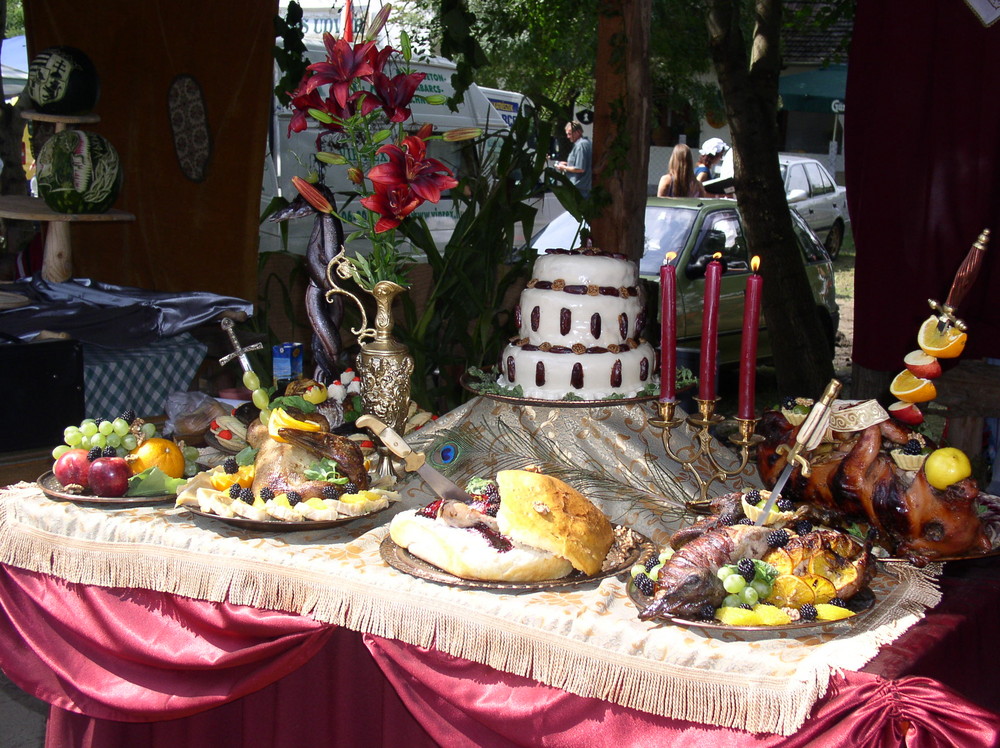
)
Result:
{"points": [[260, 397], [746, 582], [102, 433]]}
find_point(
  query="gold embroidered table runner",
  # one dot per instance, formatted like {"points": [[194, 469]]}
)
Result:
{"points": [[586, 640]]}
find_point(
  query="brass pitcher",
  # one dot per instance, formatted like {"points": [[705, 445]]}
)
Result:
{"points": [[385, 364]]}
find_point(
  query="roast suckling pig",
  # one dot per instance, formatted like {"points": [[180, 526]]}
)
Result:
{"points": [[855, 477], [689, 580]]}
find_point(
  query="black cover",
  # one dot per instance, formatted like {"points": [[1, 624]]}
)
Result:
{"points": [[111, 316]]}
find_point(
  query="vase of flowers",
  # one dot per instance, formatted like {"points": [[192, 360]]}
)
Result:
{"points": [[360, 96]]}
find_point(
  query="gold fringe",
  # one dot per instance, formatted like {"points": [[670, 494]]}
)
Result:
{"points": [[733, 700]]}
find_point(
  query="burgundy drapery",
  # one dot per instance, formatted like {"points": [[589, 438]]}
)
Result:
{"points": [[211, 674], [922, 157]]}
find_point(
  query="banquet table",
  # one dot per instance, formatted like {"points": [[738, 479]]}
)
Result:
{"points": [[147, 626]]}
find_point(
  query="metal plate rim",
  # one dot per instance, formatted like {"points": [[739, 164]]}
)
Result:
{"points": [[46, 479], [278, 525]]}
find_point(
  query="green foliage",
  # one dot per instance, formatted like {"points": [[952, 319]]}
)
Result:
{"points": [[466, 321], [15, 19], [290, 55]]}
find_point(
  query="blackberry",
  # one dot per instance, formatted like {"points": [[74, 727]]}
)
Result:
{"points": [[788, 403], [838, 602], [231, 466], [246, 495], [753, 497], [746, 606], [94, 453], [912, 447], [331, 492], [707, 612], [785, 505], [746, 568], [808, 612], [266, 494], [745, 521], [492, 491], [777, 538], [350, 487], [128, 416], [651, 562], [644, 584], [728, 519], [803, 527], [235, 491], [294, 497], [109, 452]]}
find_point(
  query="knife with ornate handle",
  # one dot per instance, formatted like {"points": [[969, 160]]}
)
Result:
{"points": [[809, 435], [413, 461]]}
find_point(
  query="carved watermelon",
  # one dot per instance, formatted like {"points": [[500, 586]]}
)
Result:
{"points": [[78, 172], [63, 80]]}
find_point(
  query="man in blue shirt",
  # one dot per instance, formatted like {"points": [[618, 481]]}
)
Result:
{"points": [[577, 165]]}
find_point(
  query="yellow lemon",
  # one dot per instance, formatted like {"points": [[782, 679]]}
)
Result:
{"points": [[946, 466]]}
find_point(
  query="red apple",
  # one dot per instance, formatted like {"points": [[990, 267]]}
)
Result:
{"points": [[109, 476], [922, 365], [907, 413], [72, 468]]}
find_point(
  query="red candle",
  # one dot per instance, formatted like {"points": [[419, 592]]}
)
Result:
{"points": [[710, 331], [668, 329], [748, 345]]}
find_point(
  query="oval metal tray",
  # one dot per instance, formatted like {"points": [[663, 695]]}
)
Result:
{"points": [[54, 490]]}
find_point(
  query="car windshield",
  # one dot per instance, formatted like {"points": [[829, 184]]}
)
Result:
{"points": [[667, 230]]}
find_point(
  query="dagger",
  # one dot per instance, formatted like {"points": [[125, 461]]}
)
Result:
{"points": [[413, 461], [808, 437], [964, 277]]}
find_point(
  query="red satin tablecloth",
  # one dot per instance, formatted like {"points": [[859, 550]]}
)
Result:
{"points": [[141, 668]]}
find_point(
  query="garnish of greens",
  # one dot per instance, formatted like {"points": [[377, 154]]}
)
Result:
{"points": [[246, 456], [293, 401], [153, 482], [326, 470], [485, 382]]}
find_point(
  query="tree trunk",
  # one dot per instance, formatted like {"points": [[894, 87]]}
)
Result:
{"points": [[802, 356], [621, 124]]}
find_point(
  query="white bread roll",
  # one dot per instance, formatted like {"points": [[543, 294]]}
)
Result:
{"points": [[544, 512], [466, 553]]}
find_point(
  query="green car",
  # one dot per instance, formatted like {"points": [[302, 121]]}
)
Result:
{"points": [[695, 229]]}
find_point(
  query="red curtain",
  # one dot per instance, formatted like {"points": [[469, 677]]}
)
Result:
{"points": [[921, 151], [196, 223]]}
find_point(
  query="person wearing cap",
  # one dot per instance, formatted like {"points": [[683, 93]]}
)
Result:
{"points": [[712, 151]]}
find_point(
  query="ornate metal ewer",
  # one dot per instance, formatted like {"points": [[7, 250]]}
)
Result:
{"points": [[384, 364]]}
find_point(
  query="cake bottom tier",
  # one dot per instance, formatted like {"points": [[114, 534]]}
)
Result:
{"points": [[590, 376]]}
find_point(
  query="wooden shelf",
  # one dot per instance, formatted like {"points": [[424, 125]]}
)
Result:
{"points": [[27, 208], [61, 119]]}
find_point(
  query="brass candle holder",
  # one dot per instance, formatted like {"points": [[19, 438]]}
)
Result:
{"points": [[700, 457]]}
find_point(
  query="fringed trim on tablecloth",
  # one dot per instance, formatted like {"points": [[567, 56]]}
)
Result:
{"points": [[728, 699]]}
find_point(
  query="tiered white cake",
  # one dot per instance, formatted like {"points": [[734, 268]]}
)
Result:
{"points": [[579, 323]]}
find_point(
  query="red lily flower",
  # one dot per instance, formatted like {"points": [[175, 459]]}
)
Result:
{"points": [[344, 63], [427, 177], [301, 103], [393, 202], [377, 58], [396, 93]]}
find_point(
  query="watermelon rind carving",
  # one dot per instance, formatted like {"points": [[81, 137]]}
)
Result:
{"points": [[78, 172]]}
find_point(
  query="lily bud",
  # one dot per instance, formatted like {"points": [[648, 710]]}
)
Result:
{"points": [[378, 22], [319, 114], [462, 133], [355, 175], [331, 158], [312, 196]]}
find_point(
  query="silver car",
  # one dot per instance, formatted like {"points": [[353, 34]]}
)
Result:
{"points": [[817, 198]]}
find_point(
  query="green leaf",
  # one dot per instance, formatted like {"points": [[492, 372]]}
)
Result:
{"points": [[293, 401], [325, 470], [153, 482], [765, 571]]}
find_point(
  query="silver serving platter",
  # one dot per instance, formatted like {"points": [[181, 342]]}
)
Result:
{"points": [[632, 544], [55, 490], [277, 525]]}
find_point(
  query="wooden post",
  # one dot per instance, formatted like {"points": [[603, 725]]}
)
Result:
{"points": [[621, 124]]}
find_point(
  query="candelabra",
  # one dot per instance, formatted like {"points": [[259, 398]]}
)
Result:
{"points": [[699, 457]]}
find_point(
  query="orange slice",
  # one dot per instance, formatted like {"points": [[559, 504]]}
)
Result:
{"points": [[791, 592], [947, 344], [911, 389], [823, 589]]}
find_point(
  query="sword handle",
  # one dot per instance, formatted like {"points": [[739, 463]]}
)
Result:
{"points": [[393, 442]]}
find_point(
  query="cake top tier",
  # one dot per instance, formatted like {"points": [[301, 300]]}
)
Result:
{"points": [[586, 267]]}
